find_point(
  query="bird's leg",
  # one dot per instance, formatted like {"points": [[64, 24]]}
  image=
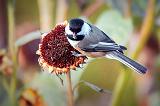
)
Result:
{"points": [[77, 54]]}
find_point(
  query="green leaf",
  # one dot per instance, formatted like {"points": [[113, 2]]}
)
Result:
{"points": [[50, 88], [115, 26], [103, 73], [154, 99], [117, 4], [157, 63]]}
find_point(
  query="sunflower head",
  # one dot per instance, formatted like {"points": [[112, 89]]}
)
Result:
{"points": [[56, 52]]}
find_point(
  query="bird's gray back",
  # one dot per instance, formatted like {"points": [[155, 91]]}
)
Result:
{"points": [[95, 36]]}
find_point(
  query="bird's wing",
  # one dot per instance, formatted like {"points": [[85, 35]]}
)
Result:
{"points": [[98, 41], [99, 35], [101, 47]]}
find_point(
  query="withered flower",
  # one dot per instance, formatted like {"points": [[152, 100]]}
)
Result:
{"points": [[31, 97], [2, 54], [56, 52], [5, 63], [1, 59]]}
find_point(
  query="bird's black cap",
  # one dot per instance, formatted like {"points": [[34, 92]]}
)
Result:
{"points": [[76, 24]]}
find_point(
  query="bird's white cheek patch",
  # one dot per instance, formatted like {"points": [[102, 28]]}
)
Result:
{"points": [[85, 29], [68, 31]]}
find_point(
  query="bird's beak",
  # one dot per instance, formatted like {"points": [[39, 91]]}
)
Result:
{"points": [[74, 36]]}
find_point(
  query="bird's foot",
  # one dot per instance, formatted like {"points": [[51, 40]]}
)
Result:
{"points": [[77, 54]]}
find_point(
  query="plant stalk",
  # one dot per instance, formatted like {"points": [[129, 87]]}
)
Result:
{"points": [[69, 90], [5, 84], [61, 11], [12, 51], [46, 12], [126, 75]]}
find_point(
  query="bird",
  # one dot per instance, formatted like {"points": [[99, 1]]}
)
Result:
{"points": [[91, 41]]}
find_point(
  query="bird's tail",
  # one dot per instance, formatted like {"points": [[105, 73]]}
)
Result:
{"points": [[127, 61]]}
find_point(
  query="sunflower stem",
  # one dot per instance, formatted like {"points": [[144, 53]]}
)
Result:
{"points": [[126, 75], [69, 90]]}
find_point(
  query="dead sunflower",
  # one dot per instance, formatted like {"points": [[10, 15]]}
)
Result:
{"points": [[31, 97], [5, 63], [56, 52]]}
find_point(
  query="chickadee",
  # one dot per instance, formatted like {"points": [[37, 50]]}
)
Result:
{"points": [[91, 41]]}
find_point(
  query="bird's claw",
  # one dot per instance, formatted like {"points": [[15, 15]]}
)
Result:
{"points": [[76, 54]]}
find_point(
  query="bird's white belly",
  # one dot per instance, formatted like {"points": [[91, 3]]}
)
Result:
{"points": [[73, 43]]}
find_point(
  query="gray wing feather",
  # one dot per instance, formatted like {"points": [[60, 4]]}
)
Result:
{"points": [[95, 36], [98, 41], [101, 47]]}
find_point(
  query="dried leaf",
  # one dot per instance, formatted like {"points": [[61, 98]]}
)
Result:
{"points": [[30, 97], [92, 86], [28, 37]]}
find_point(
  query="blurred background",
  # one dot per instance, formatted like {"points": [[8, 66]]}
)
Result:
{"points": [[132, 23]]}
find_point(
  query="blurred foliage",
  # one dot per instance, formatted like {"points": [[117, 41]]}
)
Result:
{"points": [[27, 38], [93, 17], [117, 27], [117, 4], [49, 86], [26, 11], [110, 17], [73, 10], [3, 96]]}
